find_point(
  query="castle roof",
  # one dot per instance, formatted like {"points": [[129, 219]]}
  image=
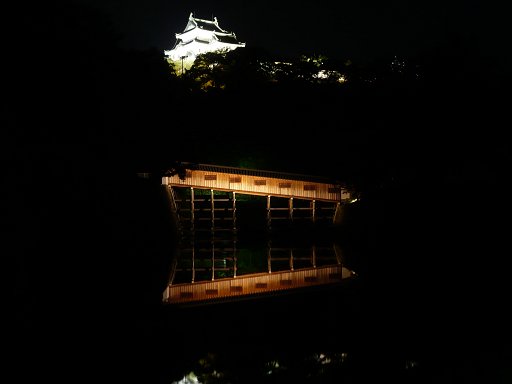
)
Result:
{"points": [[229, 39], [207, 25], [207, 33]]}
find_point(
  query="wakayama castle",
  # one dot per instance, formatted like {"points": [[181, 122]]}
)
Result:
{"points": [[200, 36]]}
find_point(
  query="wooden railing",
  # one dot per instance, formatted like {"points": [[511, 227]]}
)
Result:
{"points": [[255, 284]]}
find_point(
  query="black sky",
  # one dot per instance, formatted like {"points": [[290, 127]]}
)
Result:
{"points": [[339, 29]]}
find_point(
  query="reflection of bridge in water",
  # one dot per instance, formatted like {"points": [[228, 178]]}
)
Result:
{"points": [[217, 206]]}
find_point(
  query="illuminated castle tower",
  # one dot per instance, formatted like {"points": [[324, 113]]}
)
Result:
{"points": [[200, 36]]}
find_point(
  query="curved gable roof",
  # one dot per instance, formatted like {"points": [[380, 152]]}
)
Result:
{"points": [[209, 25]]}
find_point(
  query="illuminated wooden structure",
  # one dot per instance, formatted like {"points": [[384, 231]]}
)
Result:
{"points": [[256, 182], [210, 194], [320, 193], [254, 284]]}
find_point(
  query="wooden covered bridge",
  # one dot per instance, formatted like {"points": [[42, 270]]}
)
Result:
{"points": [[210, 198], [218, 185]]}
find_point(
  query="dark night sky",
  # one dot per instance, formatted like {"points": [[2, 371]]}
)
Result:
{"points": [[339, 29]]}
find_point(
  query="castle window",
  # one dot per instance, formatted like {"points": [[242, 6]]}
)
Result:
{"points": [[260, 182], [309, 187], [210, 177]]}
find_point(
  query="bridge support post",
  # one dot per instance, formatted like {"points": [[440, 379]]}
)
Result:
{"points": [[213, 209], [234, 211], [313, 213], [290, 208], [234, 258], [269, 217], [313, 256], [291, 259], [192, 210], [193, 262], [269, 257], [337, 213], [213, 259], [337, 252]]}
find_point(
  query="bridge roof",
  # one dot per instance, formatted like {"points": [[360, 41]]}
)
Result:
{"points": [[258, 173]]}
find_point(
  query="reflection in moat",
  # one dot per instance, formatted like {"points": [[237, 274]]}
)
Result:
{"points": [[212, 266], [308, 367], [238, 245], [272, 367], [217, 258]]}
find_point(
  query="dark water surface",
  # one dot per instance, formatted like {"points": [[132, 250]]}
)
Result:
{"points": [[429, 304]]}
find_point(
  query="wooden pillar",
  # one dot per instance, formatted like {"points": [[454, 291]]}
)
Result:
{"points": [[290, 208], [176, 211], [173, 270], [234, 258], [213, 209], [291, 259], [213, 259], [337, 252], [313, 211], [234, 211], [192, 210], [313, 256], [337, 211], [193, 263], [269, 217], [269, 257]]}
